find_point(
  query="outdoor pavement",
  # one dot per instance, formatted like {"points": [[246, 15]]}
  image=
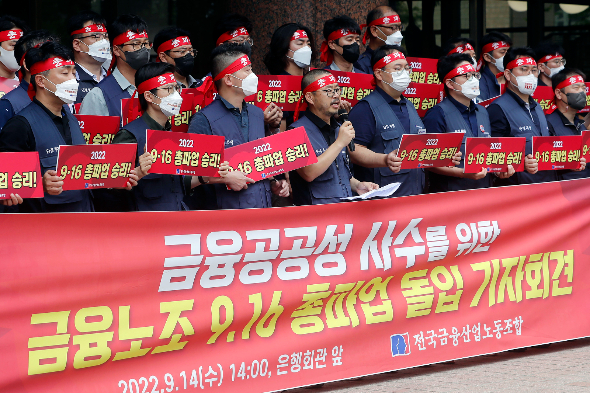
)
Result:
{"points": [[561, 367]]}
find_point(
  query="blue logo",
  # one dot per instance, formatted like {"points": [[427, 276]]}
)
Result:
{"points": [[400, 344], [177, 171], [85, 185], [552, 166], [419, 165], [263, 175]]}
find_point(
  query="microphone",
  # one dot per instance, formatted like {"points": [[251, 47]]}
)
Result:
{"points": [[343, 116]]}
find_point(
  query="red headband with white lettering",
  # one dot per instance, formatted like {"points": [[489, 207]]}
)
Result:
{"points": [[128, 36], [237, 65], [97, 28], [490, 47], [522, 61], [299, 34], [381, 21], [231, 34], [155, 82], [547, 58], [49, 64], [388, 59], [461, 70], [315, 86], [326, 54], [461, 49], [173, 43], [8, 35], [568, 82]]}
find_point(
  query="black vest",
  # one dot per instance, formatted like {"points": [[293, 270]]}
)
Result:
{"points": [[562, 130], [113, 94], [86, 83], [18, 98]]}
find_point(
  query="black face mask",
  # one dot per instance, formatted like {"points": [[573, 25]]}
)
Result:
{"points": [[351, 52], [185, 64], [576, 100], [138, 58]]}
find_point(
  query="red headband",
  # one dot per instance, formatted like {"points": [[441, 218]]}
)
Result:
{"points": [[547, 58], [155, 82], [382, 21], [388, 59], [315, 86], [326, 55], [569, 81], [520, 62], [490, 47], [298, 35], [241, 62], [8, 35], [459, 71], [128, 36], [49, 64], [231, 34], [461, 49], [173, 43], [90, 29]]}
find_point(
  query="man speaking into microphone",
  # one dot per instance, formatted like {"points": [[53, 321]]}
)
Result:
{"points": [[329, 179]]}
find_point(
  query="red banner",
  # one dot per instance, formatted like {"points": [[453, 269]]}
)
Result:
{"points": [[355, 86], [180, 122], [20, 173], [98, 130], [283, 90], [178, 153], [429, 150], [127, 116], [91, 166], [587, 108], [586, 145], [494, 154], [7, 85], [557, 152], [273, 155], [424, 96], [423, 70], [487, 102], [260, 300], [543, 95]]}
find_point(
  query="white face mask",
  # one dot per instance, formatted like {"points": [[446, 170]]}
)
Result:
{"points": [[7, 58], [302, 56], [553, 71], [170, 105], [526, 84], [249, 84], [66, 91], [469, 89], [399, 82], [99, 51], [500, 64], [107, 63], [474, 62], [394, 39]]}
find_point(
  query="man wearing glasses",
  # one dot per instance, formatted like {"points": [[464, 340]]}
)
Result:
{"points": [[91, 47], [329, 179], [174, 46], [384, 27], [550, 60], [458, 112], [131, 50]]}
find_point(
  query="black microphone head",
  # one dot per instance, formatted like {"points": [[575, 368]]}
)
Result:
{"points": [[342, 114]]}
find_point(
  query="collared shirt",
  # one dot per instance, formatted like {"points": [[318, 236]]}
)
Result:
{"points": [[489, 86], [192, 82], [17, 135], [499, 121], [103, 73], [94, 102], [200, 125], [435, 123], [334, 67], [574, 128], [363, 120], [327, 130], [124, 136], [6, 109]]}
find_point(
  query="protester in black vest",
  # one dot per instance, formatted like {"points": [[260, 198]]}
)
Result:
{"points": [[91, 47], [570, 97], [131, 49], [229, 115], [550, 60], [491, 64], [46, 123], [329, 179], [459, 113], [174, 46]]}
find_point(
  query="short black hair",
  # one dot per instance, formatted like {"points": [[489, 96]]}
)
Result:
{"points": [[376, 13], [9, 22], [452, 43], [340, 22], [547, 48], [564, 74], [223, 55], [384, 51], [167, 34], [77, 22], [312, 76], [30, 40], [148, 71], [274, 59], [44, 52], [231, 22], [124, 23], [448, 63], [514, 52], [493, 36]]}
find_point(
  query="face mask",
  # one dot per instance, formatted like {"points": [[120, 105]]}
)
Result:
{"points": [[351, 52], [470, 89], [394, 39], [185, 64], [302, 57], [66, 91], [474, 62], [500, 64], [249, 84], [526, 84], [553, 71], [576, 100], [138, 58], [7, 58], [170, 105], [399, 82], [100, 50]]}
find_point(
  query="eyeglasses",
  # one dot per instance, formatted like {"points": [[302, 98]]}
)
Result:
{"points": [[139, 45], [557, 62], [527, 71], [96, 36], [397, 70], [184, 52], [394, 28], [170, 89], [241, 40], [332, 92], [470, 75]]}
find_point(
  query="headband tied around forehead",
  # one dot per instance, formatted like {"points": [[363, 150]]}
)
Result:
{"points": [[228, 35], [8, 35], [315, 86], [173, 43], [488, 48], [42, 66], [326, 55], [96, 28], [381, 21], [155, 82], [521, 61], [238, 64], [128, 36], [388, 59], [463, 69], [299, 34], [461, 49], [547, 58], [567, 82]]}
